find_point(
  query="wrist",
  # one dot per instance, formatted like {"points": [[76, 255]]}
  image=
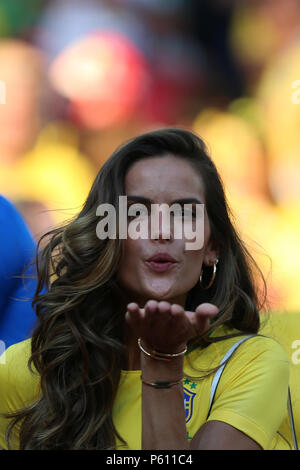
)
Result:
{"points": [[153, 370], [162, 384], [166, 351], [159, 354], [161, 366]]}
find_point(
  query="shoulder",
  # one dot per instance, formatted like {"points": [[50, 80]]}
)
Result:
{"points": [[252, 392], [14, 232], [18, 383], [5, 204], [19, 386], [241, 353], [256, 357], [253, 347], [254, 366], [8, 211]]}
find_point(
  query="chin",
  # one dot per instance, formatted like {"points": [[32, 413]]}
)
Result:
{"points": [[160, 292], [168, 295], [154, 289]]}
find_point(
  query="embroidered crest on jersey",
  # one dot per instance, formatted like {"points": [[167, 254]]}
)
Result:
{"points": [[188, 403]]}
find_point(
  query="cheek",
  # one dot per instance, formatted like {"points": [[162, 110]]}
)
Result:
{"points": [[206, 229], [128, 266], [192, 266]]}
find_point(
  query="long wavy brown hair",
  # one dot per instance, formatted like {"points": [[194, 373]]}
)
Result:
{"points": [[77, 348]]}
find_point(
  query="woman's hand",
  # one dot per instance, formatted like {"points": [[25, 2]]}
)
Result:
{"points": [[167, 327]]}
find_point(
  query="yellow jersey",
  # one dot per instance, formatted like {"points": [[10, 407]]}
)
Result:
{"points": [[251, 394]]}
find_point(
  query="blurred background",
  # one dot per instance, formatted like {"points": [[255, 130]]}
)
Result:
{"points": [[78, 78]]}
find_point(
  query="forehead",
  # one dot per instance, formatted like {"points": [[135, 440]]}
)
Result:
{"points": [[164, 177]]}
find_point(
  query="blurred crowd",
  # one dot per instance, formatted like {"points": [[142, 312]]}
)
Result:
{"points": [[78, 78]]}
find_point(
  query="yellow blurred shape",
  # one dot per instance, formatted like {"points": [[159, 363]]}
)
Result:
{"points": [[281, 114], [285, 328], [236, 151], [54, 173], [270, 233], [252, 36], [22, 71]]}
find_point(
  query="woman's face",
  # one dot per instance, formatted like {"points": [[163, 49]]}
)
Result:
{"points": [[163, 180]]}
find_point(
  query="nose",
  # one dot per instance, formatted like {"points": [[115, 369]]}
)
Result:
{"points": [[160, 226]]}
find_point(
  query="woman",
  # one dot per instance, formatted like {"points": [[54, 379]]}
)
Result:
{"points": [[132, 330]]}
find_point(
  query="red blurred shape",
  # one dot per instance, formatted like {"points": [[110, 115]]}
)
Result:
{"points": [[104, 75]]}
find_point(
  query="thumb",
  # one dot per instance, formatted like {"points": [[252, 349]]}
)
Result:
{"points": [[201, 317], [203, 314], [208, 309]]}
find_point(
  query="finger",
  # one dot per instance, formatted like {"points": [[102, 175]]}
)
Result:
{"points": [[164, 307], [177, 311], [179, 317], [179, 320], [151, 306], [200, 319], [134, 313], [165, 314], [157, 317], [155, 310], [157, 314], [150, 311], [203, 311]]}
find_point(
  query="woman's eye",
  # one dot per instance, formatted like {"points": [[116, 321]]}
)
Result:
{"points": [[137, 211], [134, 216], [192, 213], [187, 214]]}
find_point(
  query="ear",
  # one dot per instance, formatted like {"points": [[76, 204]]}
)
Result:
{"points": [[211, 253]]}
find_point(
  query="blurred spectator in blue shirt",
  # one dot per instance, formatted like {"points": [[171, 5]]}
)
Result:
{"points": [[17, 250]]}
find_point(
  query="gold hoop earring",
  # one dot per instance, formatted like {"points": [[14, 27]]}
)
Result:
{"points": [[212, 278]]}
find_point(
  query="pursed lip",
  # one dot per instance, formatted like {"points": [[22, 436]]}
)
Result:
{"points": [[161, 262], [162, 257]]}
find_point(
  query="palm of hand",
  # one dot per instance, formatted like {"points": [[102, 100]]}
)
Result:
{"points": [[167, 327]]}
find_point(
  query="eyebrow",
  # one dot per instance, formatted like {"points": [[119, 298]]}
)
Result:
{"points": [[186, 200]]}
